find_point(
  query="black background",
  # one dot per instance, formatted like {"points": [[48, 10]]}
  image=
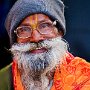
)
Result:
{"points": [[77, 13]]}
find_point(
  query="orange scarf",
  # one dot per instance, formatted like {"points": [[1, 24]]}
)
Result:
{"points": [[72, 74]]}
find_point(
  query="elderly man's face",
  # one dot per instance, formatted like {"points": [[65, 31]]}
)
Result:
{"points": [[39, 47], [38, 40], [40, 27], [39, 23]]}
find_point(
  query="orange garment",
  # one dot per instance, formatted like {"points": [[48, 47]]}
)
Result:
{"points": [[16, 77], [72, 74]]}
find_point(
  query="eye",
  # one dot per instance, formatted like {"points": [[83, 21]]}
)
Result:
{"points": [[44, 25], [20, 30], [23, 30], [27, 29]]}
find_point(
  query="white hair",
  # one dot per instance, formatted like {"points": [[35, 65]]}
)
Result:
{"points": [[35, 66]]}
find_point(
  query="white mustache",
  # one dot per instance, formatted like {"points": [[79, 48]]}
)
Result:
{"points": [[24, 47]]}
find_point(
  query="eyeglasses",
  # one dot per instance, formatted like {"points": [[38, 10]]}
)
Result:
{"points": [[44, 28]]}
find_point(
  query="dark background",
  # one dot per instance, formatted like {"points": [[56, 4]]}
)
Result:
{"points": [[77, 13]]}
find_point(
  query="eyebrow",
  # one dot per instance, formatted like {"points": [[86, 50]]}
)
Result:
{"points": [[44, 21], [27, 24]]}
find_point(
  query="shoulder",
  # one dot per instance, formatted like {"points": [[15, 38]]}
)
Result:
{"points": [[71, 60], [76, 74], [78, 65], [81, 65], [5, 70], [5, 77]]}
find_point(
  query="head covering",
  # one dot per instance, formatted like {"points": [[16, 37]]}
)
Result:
{"points": [[23, 8]]}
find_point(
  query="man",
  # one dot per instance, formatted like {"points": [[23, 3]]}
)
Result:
{"points": [[41, 60]]}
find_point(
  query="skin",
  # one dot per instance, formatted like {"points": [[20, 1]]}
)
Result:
{"points": [[32, 21], [36, 37]]}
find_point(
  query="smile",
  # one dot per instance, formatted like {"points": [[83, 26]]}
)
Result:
{"points": [[38, 50]]}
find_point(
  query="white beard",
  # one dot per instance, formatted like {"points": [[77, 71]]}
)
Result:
{"points": [[34, 67]]}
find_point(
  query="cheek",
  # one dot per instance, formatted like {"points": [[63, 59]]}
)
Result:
{"points": [[20, 40], [54, 35]]}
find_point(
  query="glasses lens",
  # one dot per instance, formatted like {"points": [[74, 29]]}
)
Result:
{"points": [[23, 32], [45, 28]]}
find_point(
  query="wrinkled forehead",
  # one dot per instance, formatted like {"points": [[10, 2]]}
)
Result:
{"points": [[36, 18]]}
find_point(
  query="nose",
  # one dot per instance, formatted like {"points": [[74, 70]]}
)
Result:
{"points": [[36, 36]]}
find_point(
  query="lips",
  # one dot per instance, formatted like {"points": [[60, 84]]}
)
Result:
{"points": [[38, 50]]}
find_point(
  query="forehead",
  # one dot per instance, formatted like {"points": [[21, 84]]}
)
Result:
{"points": [[35, 18]]}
